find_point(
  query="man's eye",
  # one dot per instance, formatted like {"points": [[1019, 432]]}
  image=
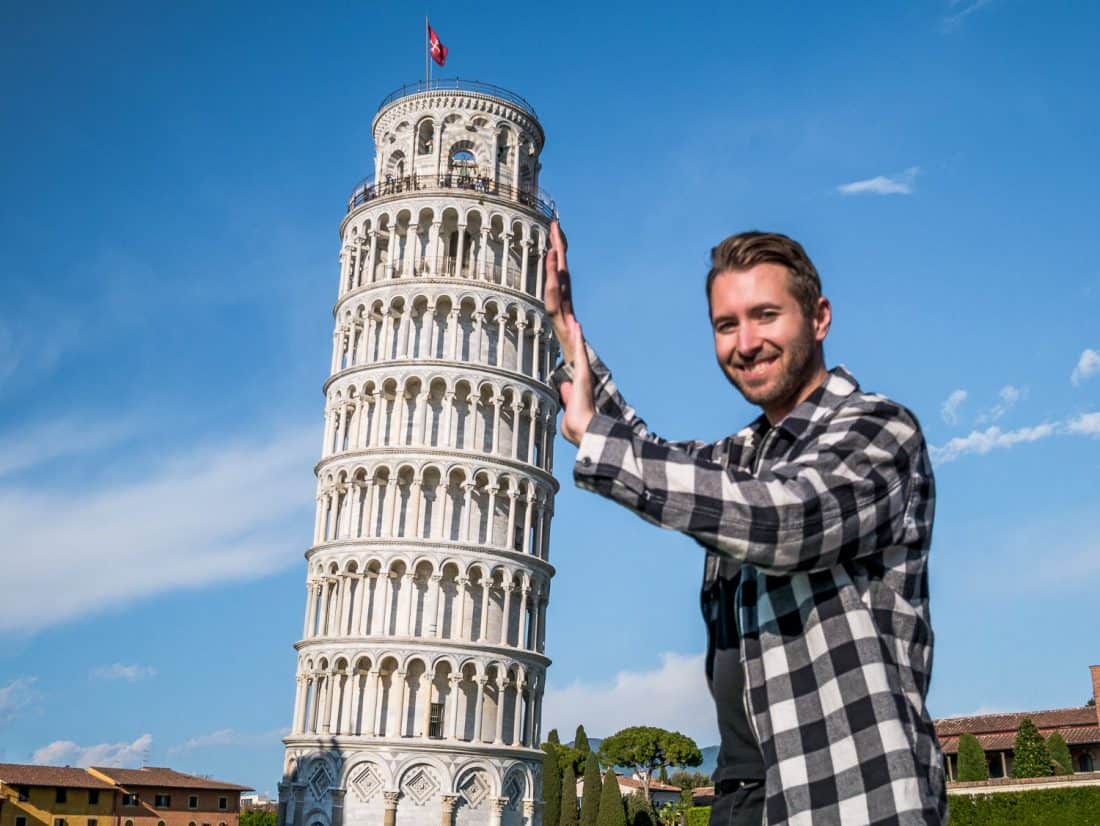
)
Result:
{"points": [[725, 327]]}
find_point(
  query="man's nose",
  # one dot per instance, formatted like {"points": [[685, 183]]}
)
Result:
{"points": [[748, 340]]}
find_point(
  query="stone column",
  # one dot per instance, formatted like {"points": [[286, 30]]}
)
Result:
{"points": [[540, 271], [370, 710], [467, 511], [529, 809], [486, 590], [496, 810], [299, 803], [505, 619], [426, 712], [510, 537], [389, 818], [458, 627], [502, 338], [517, 714], [532, 429], [431, 607], [299, 705], [498, 728], [506, 242], [476, 335], [391, 255], [414, 597], [483, 255], [497, 402], [525, 251], [447, 809], [452, 322], [460, 249], [452, 721], [371, 257], [521, 340], [521, 637], [479, 693], [337, 798], [528, 514], [411, 244]]}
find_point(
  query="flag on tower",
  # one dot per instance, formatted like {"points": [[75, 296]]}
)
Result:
{"points": [[439, 51]]}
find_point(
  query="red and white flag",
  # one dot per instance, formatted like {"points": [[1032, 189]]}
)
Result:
{"points": [[439, 51]]}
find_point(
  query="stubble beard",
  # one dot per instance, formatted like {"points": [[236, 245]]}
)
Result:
{"points": [[797, 368]]}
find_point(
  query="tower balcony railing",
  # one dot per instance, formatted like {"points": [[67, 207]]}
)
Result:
{"points": [[369, 189], [455, 84]]}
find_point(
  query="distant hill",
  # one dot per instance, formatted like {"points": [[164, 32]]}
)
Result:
{"points": [[710, 757]]}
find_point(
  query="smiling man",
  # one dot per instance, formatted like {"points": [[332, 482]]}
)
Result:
{"points": [[816, 519]]}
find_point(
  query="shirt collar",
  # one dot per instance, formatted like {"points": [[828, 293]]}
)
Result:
{"points": [[839, 384]]}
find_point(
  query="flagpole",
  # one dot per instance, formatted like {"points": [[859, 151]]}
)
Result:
{"points": [[427, 60]]}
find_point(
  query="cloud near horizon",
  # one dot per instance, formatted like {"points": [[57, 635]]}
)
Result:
{"points": [[15, 696], [993, 438], [120, 671], [230, 737], [949, 410], [1088, 365], [115, 755], [672, 695], [207, 513], [882, 185]]}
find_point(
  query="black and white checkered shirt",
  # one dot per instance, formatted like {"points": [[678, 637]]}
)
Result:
{"points": [[827, 520]]}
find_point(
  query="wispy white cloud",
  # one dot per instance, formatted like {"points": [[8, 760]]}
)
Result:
{"points": [[44, 442], [120, 671], [673, 695], [117, 755], [993, 438], [962, 9], [230, 737], [1087, 424], [16, 696], [949, 410], [1006, 400], [206, 514], [1088, 365], [882, 185]]}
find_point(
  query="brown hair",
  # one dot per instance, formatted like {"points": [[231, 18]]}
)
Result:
{"points": [[747, 249]]}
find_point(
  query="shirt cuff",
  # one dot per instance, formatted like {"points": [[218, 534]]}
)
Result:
{"points": [[591, 449]]}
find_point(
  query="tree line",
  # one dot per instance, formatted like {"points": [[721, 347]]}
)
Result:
{"points": [[643, 749], [1033, 757]]}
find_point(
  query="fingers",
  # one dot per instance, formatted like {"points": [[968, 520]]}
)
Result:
{"points": [[582, 373], [558, 243]]}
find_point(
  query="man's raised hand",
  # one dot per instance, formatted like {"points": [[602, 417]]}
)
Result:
{"points": [[558, 295], [578, 395]]}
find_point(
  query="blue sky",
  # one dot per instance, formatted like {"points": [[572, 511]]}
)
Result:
{"points": [[174, 177]]}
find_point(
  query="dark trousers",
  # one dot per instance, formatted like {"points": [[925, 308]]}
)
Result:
{"points": [[743, 806]]}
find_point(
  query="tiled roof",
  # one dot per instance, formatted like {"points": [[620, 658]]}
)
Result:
{"points": [[18, 774], [654, 786], [998, 731], [167, 778]]}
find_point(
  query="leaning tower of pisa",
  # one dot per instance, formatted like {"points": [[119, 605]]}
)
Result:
{"points": [[421, 666]]}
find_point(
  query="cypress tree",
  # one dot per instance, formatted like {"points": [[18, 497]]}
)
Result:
{"points": [[551, 786], [612, 811], [639, 811], [662, 777], [593, 789], [568, 797], [552, 737], [973, 764], [580, 742], [1059, 754], [1031, 756]]}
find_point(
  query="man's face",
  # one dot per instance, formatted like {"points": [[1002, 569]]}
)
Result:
{"points": [[764, 343]]}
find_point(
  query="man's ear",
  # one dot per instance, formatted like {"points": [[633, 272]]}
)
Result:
{"points": [[823, 318]]}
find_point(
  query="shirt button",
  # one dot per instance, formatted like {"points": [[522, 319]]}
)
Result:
{"points": [[586, 461]]}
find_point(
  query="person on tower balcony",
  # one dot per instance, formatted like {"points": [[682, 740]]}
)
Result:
{"points": [[816, 519]]}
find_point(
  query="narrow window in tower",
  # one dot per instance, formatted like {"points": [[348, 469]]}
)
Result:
{"points": [[435, 721]]}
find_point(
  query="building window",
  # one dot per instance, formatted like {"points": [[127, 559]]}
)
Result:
{"points": [[93, 797], [129, 799], [162, 801], [1086, 763], [129, 823], [20, 821], [59, 821], [93, 822], [193, 802], [24, 793], [435, 720], [61, 795]]}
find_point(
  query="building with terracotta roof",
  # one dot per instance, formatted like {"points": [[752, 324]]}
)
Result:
{"points": [[155, 796], [54, 796], [1080, 727], [659, 793]]}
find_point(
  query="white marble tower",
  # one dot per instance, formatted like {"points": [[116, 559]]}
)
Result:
{"points": [[421, 666]]}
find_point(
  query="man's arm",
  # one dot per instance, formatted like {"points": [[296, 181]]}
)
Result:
{"points": [[848, 496]]}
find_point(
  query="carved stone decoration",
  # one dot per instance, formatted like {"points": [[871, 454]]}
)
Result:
{"points": [[319, 779], [475, 788], [367, 782], [420, 785], [514, 789]]}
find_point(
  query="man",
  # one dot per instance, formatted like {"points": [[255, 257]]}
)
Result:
{"points": [[817, 520]]}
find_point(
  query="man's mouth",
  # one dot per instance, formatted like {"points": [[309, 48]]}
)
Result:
{"points": [[755, 368]]}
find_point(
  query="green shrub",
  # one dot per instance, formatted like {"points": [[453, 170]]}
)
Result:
{"points": [[698, 816], [972, 761], [1059, 754], [1041, 807], [1030, 756]]}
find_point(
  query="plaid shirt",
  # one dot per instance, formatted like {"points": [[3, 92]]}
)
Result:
{"points": [[826, 518]]}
